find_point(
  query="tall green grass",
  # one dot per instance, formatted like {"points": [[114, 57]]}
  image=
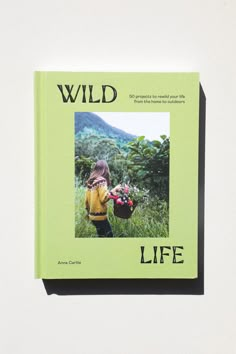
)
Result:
{"points": [[148, 220]]}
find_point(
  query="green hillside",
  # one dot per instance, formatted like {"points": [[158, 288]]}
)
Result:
{"points": [[87, 123]]}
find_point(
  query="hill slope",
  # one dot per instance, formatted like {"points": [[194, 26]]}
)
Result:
{"points": [[87, 121]]}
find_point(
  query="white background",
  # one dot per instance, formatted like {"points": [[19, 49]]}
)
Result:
{"points": [[116, 36]]}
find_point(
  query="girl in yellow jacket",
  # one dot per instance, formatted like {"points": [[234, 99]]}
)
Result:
{"points": [[97, 196]]}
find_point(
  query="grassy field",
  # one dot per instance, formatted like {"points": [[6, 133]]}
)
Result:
{"points": [[149, 220]]}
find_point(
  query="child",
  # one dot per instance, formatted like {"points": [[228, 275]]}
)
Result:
{"points": [[97, 196]]}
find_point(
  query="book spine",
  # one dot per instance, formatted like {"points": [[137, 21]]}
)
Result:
{"points": [[39, 169]]}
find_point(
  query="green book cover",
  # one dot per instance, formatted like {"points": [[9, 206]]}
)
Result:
{"points": [[116, 175]]}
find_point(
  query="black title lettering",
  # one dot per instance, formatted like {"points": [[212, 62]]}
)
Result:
{"points": [[159, 255], [86, 93]]}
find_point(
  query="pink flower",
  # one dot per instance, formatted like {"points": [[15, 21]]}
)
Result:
{"points": [[130, 203], [119, 201], [126, 189]]}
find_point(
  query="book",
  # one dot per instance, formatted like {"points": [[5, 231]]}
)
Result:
{"points": [[117, 175]]}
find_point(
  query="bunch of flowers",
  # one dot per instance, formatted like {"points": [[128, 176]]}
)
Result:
{"points": [[130, 195], [122, 198]]}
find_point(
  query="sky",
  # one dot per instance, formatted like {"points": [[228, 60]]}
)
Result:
{"points": [[150, 124]]}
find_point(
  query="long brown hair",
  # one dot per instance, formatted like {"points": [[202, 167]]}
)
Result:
{"points": [[101, 169]]}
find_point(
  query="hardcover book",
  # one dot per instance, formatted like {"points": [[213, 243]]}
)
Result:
{"points": [[117, 176]]}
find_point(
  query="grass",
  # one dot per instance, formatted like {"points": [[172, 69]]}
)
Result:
{"points": [[148, 220]]}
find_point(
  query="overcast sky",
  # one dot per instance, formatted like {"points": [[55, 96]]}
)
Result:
{"points": [[150, 124]]}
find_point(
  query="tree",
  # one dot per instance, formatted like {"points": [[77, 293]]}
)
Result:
{"points": [[148, 164]]}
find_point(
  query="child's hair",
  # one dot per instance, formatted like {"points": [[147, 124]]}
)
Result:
{"points": [[101, 169]]}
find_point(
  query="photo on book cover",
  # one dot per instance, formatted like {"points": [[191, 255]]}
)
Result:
{"points": [[121, 174]]}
